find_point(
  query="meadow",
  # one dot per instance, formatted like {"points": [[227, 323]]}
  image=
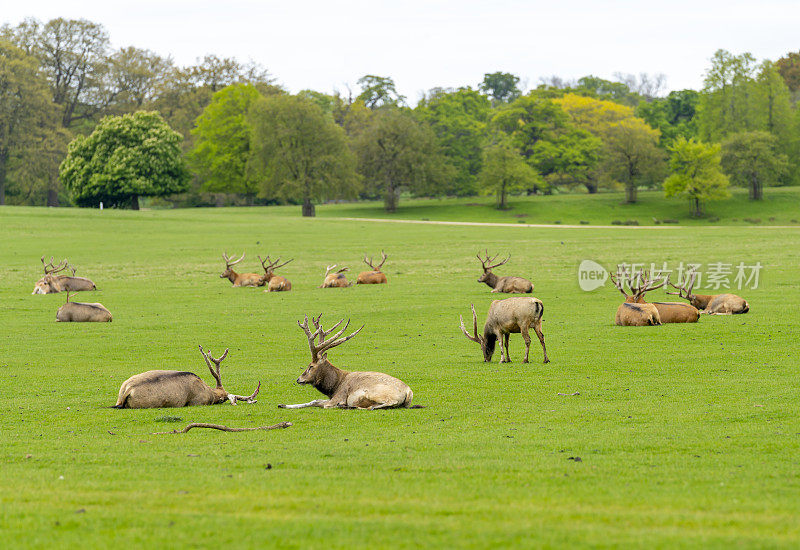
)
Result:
{"points": [[680, 436]]}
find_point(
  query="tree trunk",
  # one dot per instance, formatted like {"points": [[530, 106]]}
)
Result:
{"points": [[630, 193], [756, 193], [248, 199], [134, 202], [698, 207], [591, 187], [52, 196], [3, 160], [390, 200], [308, 208], [502, 198]]}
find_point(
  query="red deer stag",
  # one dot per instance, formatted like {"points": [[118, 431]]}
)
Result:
{"points": [[634, 311], [172, 388], [240, 279], [275, 283], [346, 390], [374, 277], [78, 312], [502, 284], [715, 304], [511, 315], [52, 283], [336, 279], [668, 312]]}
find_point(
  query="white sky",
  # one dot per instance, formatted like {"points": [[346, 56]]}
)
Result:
{"points": [[328, 44]]}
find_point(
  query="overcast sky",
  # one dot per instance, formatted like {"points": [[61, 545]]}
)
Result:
{"points": [[328, 44]]}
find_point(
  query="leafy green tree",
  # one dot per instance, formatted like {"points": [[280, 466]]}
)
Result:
{"points": [[378, 91], [752, 160], [696, 173], [396, 152], [34, 171], [726, 104], [505, 171], [673, 115], [500, 86], [632, 155], [298, 153], [25, 107], [789, 69], [458, 118], [136, 77], [618, 92], [222, 142], [125, 157]]}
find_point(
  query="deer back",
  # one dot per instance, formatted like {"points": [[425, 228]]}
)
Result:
{"points": [[78, 312], [637, 315], [676, 312], [166, 388], [723, 304], [513, 284], [364, 390], [371, 278], [510, 314]]}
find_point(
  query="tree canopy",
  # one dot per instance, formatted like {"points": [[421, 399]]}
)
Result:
{"points": [[696, 173]]}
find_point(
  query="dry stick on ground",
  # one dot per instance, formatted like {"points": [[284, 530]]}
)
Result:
{"points": [[224, 428], [569, 394]]}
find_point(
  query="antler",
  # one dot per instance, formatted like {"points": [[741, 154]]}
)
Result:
{"points": [[72, 267], [209, 359], [273, 265], [230, 263], [318, 350], [250, 398], [474, 338], [53, 268], [489, 260], [646, 284], [368, 261], [685, 289]]}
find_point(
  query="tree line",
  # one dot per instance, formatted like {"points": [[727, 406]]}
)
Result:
{"points": [[82, 123]]}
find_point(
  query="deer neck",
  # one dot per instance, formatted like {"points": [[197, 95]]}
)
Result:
{"points": [[329, 378], [232, 276], [268, 275], [700, 301], [491, 279]]}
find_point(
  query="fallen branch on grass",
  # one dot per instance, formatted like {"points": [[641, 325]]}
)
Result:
{"points": [[224, 428], [569, 394]]}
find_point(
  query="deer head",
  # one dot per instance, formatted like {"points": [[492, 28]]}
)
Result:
{"points": [[219, 392], [229, 263], [640, 284], [270, 266], [487, 265], [46, 284], [486, 348], [319, 368], [368, 261]]}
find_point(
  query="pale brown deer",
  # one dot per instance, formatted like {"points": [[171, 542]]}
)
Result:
{"points": [[502, 284], [634, 312], [275, 283], [374, 277], [78, 312], [346, 390], [715, 304], [240, 279], [52, 283], [512, 315], [172, 388], [668, 312], [337, 279]]}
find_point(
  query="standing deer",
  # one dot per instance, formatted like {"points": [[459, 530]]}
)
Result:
{"points": [[716, 304], [374, 277], [511, 315], [240, 279], [336, 279], [275, 283], [52, 283], [668, 312], [172, 388], [502, 284], [78, 312], [346, 390], [634, 311]]}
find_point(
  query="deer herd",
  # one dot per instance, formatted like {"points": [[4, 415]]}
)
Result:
{"points": [[376, 390]]}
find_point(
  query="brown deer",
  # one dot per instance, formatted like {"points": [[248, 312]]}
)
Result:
{"points": [[336, 279], [374, 277], [52, 283], [78, 312], [634, 311], [275, 283], [668, 312], [240, 279], [172, 388], [511, 315], [716, 304], [346, 390], [502, 284]]}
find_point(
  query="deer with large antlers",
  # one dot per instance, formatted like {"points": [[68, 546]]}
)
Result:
{"points": [[634, 312], [668, 312], [502, 284], [715, 304], [172, 388], [79, 312], [52, 283], [337, 279], [275, 283], [512, 315], [374, 277], [240, 279], [347, 390]]}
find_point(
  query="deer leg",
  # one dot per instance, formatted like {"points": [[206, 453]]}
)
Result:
{"points": [[538, 328], [527, 337], [504, 345], [315, 403]]}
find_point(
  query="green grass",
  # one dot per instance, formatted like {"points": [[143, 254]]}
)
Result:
{"points": [[688, 434]]}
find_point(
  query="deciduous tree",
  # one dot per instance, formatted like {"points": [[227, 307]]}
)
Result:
{"points": [[696, 173], [505, 171], [752, 160], [500, 87]]}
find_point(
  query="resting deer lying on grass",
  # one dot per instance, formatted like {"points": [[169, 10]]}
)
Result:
{"points": [[502, 284], [374, 277], [52, 283], [634, 312], [172, 388], [78, 312], [336, 279], [511, 315], [275, 283], [240, 279], [668, 312], [716, 304], [346, 390]]}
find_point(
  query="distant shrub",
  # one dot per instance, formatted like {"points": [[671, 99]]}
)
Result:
{"points": [[772, 219], [753, 220], [795, 221], [557, 222], [668, 220], [713, 219], [626, 222], [616, 222], [584, 222]]}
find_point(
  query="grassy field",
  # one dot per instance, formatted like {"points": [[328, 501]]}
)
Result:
{"points": [[688, 435]]}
